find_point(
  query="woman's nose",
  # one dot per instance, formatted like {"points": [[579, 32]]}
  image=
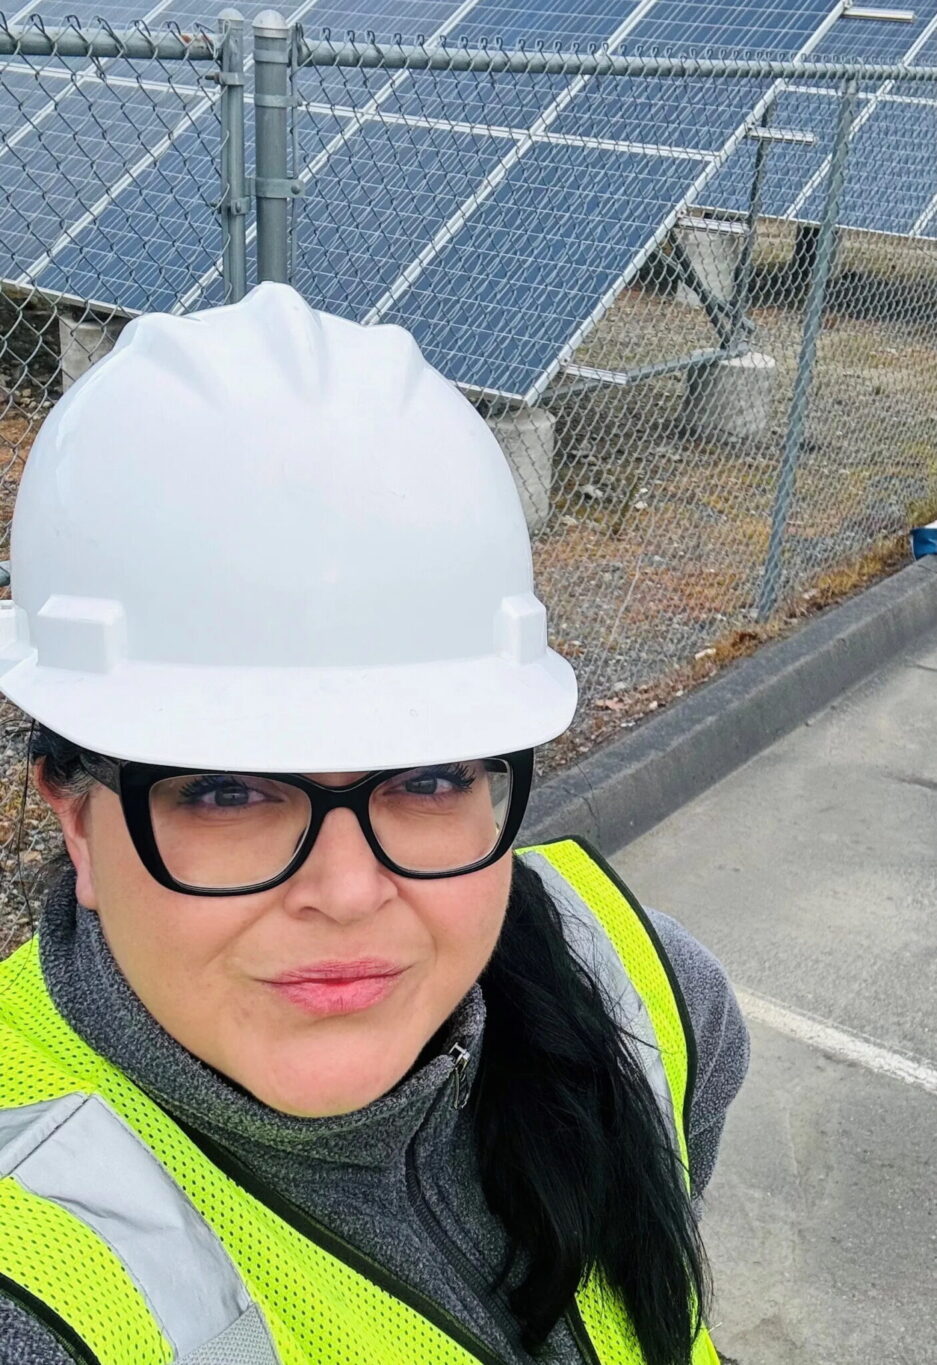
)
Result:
{"points": [[341, 878]]}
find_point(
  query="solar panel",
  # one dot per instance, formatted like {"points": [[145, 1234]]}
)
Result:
{"points": [[74, 141], [503, 321], [546, 253], [876, 40], [747, 25], [495, 217], [130, 250], [529, 327], [889, 135]]}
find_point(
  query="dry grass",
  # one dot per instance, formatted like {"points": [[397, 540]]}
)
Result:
{"points": [[870, 255], [18, 429], [608, 716]]}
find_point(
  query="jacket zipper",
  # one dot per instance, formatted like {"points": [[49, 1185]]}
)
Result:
{"points": [[74, 1345], [437, 1233], [461, 1059], [444, 1243]]}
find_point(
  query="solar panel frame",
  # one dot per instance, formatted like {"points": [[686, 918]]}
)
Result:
{"points": [[544, 250]]}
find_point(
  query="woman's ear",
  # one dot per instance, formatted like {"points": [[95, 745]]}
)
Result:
{"points": [[72, 814]]}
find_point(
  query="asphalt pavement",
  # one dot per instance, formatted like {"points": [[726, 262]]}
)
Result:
{"points": [[812, 873]]}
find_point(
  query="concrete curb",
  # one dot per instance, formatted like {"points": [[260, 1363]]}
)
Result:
{"points": [[633, 783]]}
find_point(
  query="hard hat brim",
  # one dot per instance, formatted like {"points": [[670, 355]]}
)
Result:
{"points": [[298, 719]]}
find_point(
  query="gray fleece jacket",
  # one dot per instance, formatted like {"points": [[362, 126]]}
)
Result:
{"points": [[397, 1179]]}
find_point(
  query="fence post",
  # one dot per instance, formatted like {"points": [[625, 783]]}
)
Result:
{"points": [[743, 270], [234, 200], [813, 317], [273, 189]]}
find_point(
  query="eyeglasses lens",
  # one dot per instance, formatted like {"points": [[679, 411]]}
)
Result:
{"points": [[220, 830], [442, 818]]}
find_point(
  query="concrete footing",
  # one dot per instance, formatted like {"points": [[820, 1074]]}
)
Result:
{"points": [[731, 397], [714, 247], [83, 342], [526, 435]]}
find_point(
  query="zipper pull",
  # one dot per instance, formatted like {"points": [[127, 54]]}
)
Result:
{"points": [[461, 1059]]}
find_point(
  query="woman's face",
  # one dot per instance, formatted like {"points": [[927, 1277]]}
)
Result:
{"points": [[203, 965]]}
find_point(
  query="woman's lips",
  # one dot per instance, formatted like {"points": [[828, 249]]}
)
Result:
{"points": [[332, 994], [339, 969]]}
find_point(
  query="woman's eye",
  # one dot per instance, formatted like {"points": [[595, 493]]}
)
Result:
{"points": [[220, 796], [234, 796], [225, 798], [424, 786], [437, 783]]}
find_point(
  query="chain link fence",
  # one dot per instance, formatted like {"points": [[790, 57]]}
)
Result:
{"points": [[709, 289], [109, 162], [112, 147], [694, 296]]}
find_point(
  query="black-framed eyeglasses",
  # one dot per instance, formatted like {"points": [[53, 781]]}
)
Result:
{"points": [[218, 833]]}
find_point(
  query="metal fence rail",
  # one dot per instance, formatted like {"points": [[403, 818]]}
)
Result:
{"points": [[538, 60], [694, 296]]}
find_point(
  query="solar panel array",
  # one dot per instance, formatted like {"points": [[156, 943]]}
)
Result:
{"points": [[497, 217]]}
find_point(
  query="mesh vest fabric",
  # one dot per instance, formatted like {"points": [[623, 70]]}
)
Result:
{"points": [[319, 1309], [636, 945]]}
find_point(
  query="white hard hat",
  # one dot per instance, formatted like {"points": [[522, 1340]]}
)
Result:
{"points": [[262, 537]]}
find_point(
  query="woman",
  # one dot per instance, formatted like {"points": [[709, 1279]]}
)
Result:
{"points": [[304, 1064]]}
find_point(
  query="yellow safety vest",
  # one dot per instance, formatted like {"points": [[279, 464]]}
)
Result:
{"points": [[137, 1242]]}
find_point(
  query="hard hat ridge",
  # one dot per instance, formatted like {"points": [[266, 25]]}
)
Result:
{"points": [[226, 354], [273, 340]]}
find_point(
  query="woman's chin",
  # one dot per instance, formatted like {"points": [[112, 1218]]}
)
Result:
{"points": [[312, 1093], [314, 1103]]}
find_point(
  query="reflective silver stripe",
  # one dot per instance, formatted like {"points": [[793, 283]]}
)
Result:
{"points": [[23, 1129], [78, 1153], [245, 1342], [591, 944]]}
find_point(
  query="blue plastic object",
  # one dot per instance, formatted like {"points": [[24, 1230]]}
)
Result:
{"points": [[924, 540]]}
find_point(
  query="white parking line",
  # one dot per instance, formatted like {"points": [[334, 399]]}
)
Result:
{"points": [[839, 1042]]}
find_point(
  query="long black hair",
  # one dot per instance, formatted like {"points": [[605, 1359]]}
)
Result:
{"points": [[575, 1156]]}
